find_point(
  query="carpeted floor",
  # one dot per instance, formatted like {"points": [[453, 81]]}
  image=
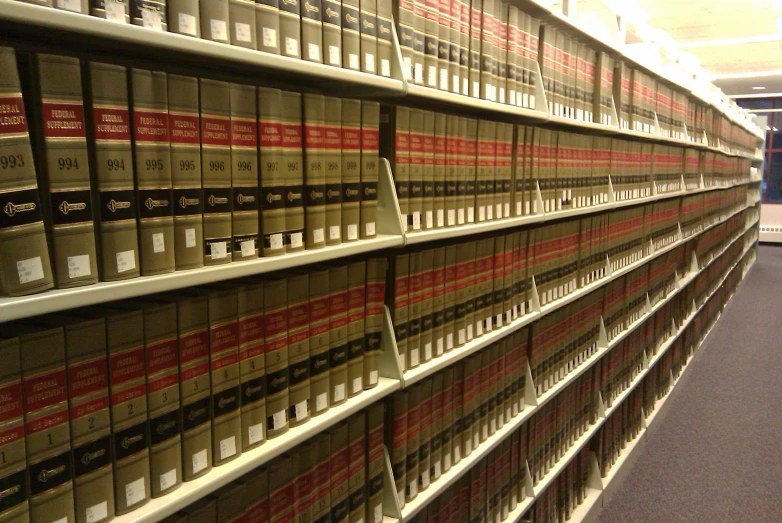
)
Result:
{"points": [[715, 454]]}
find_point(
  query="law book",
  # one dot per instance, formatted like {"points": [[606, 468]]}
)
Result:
{"points": [[447, 420], [395, 431], [338, 339], [231, 502], [188, 201], [425, 435], [501, 57], [290, 28], [202, 511], [419, 42], [46, 419], [293, 169], [14, 471], [475, 10], [257, 481], [398, 301], [339, 473], [128, 400], [216, 170], [61, 143], [397, 151], [356, 343], [214, 15], [413, 441], [118, 13], [368, 20], [441, 10], [452, 157], [503, 182], [375, 463], [320, 502], [450, 299], [417, 155], [267, 25], [224, 368], [312, 31], [427, 185], [469, 170], [351, 35], [184, 16], [273, 191], [485, 174], [464, 44], [241, 14], [314, 171], [332, 32], [298, 312], [440, 169], [404, 16], [487, 40], [151, 151], [332, 156], [351, 169], [111, 156], [415, 297], [436, 430], [384, 38], [427, 343], [486, 403], [370, 167], [457, 427], [478, 479], [149, 13], [376, 269], [280, 489], [194, 384], [357, 466], [26, 266], [244, 172], [275, 297], [252, 367], [301, 462]]}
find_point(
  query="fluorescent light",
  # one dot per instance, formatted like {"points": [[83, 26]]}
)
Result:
{"points": [[758, 88], [753, 74], [733, 41]]}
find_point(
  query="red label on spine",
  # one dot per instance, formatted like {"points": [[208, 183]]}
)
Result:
{"points": [[244, 132], [163, 383], [12, 117], [44, 390], [110, 123], [215, 131], [251, 329], [161, 356], [63, 120], [90, 407], [184, 129], [223, 336], [193, 346], [47, 422], [10, 401], [150, 126], [87, 377]]}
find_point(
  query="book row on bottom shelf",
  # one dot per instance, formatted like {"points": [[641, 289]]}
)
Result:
{"points": [[553, 465]]}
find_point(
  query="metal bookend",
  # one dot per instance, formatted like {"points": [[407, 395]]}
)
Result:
{"points": [[392, 503], [389, 218], [390, 363]]}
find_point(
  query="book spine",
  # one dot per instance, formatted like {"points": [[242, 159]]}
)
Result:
{"points": [[442, 9], [469, 137], [314, 172], [370, 167], [13, 473], [332, 146], [224, 367], [155, 17], [402, 162], [293, 168], [151, 151], [280, 489], [26, 267], [241, 14], [244, 172], [67, 170], [184, 16], [375, 463], [451, 168], [357, 466], [427, 185], [332, 32], [338, 470], [373, 318], [438, 301], [321, 491], [312, 30], [267, 24], [162, 369], [351, 169], [440, 169], [419, 42], [385, 38], [458, 412], [404, 16], [111, 154], [425, 436], [275, 295], [431, 42], [299, 399], [214, 20], [319, 341], [301, 463], [351, 35], [413, 440], [216, 171], [395, 430], [98, 8], [273, 167], [252, 367], [417, 156], [356, 342], [338, 329], [290, 28], [369, 35], [185, 133], [427, 291], [415, 299]]}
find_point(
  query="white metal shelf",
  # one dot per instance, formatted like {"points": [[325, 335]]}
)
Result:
{"points": [[159, 508]]}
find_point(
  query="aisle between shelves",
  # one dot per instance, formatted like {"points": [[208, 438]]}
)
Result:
{"points": [[397, 510]]}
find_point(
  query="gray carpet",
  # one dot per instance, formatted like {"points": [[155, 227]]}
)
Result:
{"points": [[715, 454]]}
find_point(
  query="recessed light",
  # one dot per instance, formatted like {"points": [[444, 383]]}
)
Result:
{"points": [[758, 88]]}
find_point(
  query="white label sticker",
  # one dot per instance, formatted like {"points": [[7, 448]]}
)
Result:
{"points": [[447, 461], [126, 261], [412, 489], [269, 37], [449, 341], [479, 328], [78, 266], [378, 513], [469, 331], [358, 385], [339, 392], [158, 243], [437, 470], [476, 89], [190, 238], [457, 454], [498, 320], [168, 479], [414, 360], [291, 46], [481, 213], [416, 221], [353, 61], [135, 492], [278, 420], [451, 217], [370, 228], [440, 346], [115, 12], [275, 241], [460, 216], [369, 60], [444, 79], [334, 232], [228, 446], [313, 52], [70, 5], [302, 412], [255, 433], [372, 377], [425, 479], [428, 351], [248, 248], [440, 218], [385, 67], [218, 250], [317, 235], [465, 86], [498, 211], [489, 213], [353, 231], [243, 32], [334, 55], [97, 512], [462, 337], [419, 73], [199, 461], [471, 214], [429, 220], [219, 29], [321, 402], [431, 78]]}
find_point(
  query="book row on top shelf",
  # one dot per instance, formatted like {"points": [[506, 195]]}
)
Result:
{"points": [[458, 52]]}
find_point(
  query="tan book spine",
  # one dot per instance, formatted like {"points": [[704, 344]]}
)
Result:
{"points": [[415, 299], [111, 155], [312, 31], [457, 427], [404, 16], [395, 435], [185, 133], [401, 163], [369, 35], [450, 300], [231, 502], [275, 296], [338, 470], [442, 10], [431, 33], [280, 489], [273, 212], [215, 20], [26, 266], [370, 167], [321, 479], [384, 38], [14, 471], [267, 24], [332, 32], [427, 185], [314, 171], [419, 42], [319, 341], [149, 13], [469, 169], [257, 482], [194, 385], [351, 169], [303, 487], [216, 171], [332, 154], [438, 291], [244, 172], [417, 156], [425, 436], [440, 170], [338, 339], [475, 11], [373, 318], [299, 398], [351, 34], [427, 343], [294, 171], [447, 420], [452, 157], [290, 28], [252, 367], [357, 467], [375, 463], [46, 418], [241, 14], [184, 16], [119, 12], [413, 441], [356, 300]]}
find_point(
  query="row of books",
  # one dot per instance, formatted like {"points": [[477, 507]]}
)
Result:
{"points": [[147, 172], [353, 34], [437, 422], [335, 476], [108, 407]]}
